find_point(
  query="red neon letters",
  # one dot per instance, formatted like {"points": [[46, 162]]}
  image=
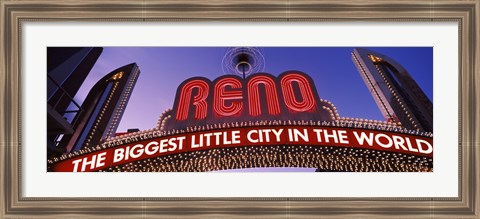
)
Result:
{"points": [[308, 102], [198, 100], [259, 94], [221, 95], [254, 101]]}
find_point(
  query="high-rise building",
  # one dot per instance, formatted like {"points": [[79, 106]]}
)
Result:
{"points": [[67, 68], [398, 96], [102, 109]]}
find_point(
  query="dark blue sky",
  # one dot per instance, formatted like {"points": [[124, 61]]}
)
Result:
{"points": [[335, 76]]}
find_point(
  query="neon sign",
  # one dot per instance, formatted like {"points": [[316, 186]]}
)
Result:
{"points": [[259, 121], [259, 96]]}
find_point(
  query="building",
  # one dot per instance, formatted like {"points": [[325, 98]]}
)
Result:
{"points": [[102, 109], [397, 95], [67, 68]]}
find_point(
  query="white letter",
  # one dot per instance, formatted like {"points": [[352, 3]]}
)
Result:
{"points": [[319, 137], [249, 136], [363, 137], [333, 135], [207, 137], [303, 135], [163, 144], [100, 159], [180, 142], [399, 142], [217, 137], [343, 137], [91, 163], [430, 148], [194, 145], [266, 132], [147, 148], [136, 154], [75, 164], [410, 146], [235, 137], [172, 143], [277, 134], [388, 145], [118, 155]]}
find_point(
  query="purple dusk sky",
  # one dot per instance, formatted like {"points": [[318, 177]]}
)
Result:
{"points": [[335, 76]]}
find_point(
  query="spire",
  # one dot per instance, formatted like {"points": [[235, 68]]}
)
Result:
{"points": [[243, 61]]}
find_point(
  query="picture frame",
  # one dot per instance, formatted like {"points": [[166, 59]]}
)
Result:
{"points": [[15, 13]]}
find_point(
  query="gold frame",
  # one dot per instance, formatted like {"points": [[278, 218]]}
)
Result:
{"points": [[13, 13]]}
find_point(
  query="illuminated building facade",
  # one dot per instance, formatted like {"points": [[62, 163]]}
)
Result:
{"points": [[255, 121], [397, 95], [102, 109], [67, 68]]}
